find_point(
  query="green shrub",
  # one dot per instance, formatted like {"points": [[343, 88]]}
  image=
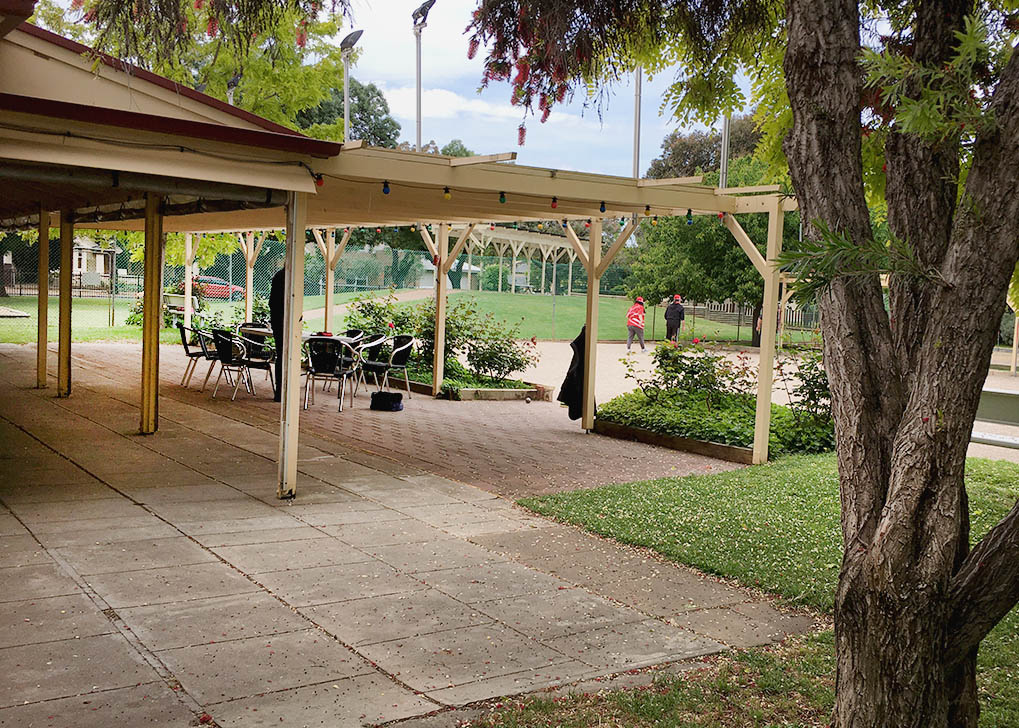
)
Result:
{"points": [[259, 312], [496, 350], [375, 314]]}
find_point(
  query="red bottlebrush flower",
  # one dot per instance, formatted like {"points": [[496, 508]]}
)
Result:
{"points": [[523, 69], [302, 39], [543, 102], [89, 16], [884, 167], [212, 29], [560, 93], [544, 114], [472, 47], [76, 4], [199, 4], [521, 135]]}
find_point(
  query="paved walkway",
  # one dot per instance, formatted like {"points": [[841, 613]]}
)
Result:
{"points": [[158, 581]]}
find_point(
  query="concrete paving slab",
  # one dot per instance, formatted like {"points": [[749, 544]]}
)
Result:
{"points": [[335, 470], [445, 659], [285, 555], [312, 491], [70, 667], [260, 536], [309, 587], [23, 493], [170, 584], [331, 514], [21, 550], [452, 488], [216, 619], [201, 528], [54, 618], [350, 703], [128, 556], [11, 526], [394, 616], [158, 479], [218, 510], [37, 581], [184, 493], [66, 473], [495, 524], [454, 514], [558, 613], [153, 705], [633, 645], [745, 625], [382, 533], [115, 532], [513, 684], [408, 497], [210, 672], [475, 584], [34, 514], [412, 558]]}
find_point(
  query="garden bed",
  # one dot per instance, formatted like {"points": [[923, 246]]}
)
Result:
{"points": [[477, 389], [732, 453]]}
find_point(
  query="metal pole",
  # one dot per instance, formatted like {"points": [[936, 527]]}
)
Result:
{"points": [[64, 316], [723, 170], [346, 96], [417, 37], [152, 314], [43, 292], [636, 122]]}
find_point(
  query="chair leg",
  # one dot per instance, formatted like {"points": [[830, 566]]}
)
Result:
{"points": [[307, 389], [339, 391], [251, 382], [220, 377], [209, 374], [187, 370], [406, 380], [191, 374], [240, 378]]}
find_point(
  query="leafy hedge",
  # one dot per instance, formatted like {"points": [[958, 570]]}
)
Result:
{"points": [[704, 396]]}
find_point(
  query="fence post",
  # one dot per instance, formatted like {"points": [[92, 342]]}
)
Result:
{"points": [[43, 294]]}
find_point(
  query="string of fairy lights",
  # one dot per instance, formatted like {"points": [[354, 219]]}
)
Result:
{"points": [[447, 194]]}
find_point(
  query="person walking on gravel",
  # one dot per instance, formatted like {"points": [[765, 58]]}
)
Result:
{"points": [[635, 324], [674, 316]]}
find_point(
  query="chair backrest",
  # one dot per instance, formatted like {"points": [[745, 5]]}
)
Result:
{"points": [[207, 343], [371, 345], [184, 337], [323, 354], [226, 343], [403, 347], [353, 334], [350, 357]]}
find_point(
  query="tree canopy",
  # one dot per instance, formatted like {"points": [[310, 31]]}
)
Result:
{"points": [[370, 119], [685, 154]]}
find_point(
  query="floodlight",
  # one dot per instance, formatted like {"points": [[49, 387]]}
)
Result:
{"points": [[351, 40], [421, 14], [234, 82]]}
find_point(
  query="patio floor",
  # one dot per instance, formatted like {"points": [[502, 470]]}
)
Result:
{"points": [[158, 581]]}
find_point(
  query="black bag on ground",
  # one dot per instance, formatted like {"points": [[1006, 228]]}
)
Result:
{"points": [[387, 401]]}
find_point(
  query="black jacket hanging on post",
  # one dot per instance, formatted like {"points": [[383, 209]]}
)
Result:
{"points": [[572, 392]]}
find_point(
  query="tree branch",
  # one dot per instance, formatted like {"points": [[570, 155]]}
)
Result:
{"points": [[985, 588]]}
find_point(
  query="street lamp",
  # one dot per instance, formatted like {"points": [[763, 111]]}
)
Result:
{"points": [[346, 48], [636, 121], [419, 17], [231, 86]]}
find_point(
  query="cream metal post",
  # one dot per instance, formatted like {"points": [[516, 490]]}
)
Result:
{"points": [[293, 302], [591, 338], [189, 272], [152, 313], [769, 312], [43, 296], [330, 252], [64, 323], [439, 356]]}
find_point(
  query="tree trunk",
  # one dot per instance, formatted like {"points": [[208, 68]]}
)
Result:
{"points": [[905, 391]]}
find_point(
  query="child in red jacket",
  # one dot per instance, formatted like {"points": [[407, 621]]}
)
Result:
{"points": [[635, 324]]}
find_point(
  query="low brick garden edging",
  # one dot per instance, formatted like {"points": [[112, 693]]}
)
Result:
{"points": [[537, 392], [732, 453]]}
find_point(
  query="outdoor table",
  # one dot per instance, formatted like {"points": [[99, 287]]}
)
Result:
{"points": [[305, 335]]}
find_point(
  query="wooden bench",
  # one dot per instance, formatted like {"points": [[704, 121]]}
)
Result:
{"points": [[1000, 407], [174, 303]]}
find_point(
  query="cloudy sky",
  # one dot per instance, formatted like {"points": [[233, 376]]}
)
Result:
{"points": [[572, 138]]}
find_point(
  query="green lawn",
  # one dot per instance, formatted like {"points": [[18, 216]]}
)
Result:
{"points": [[776, 527]]}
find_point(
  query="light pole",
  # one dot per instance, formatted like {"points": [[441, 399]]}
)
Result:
{"points": [[419, 17], [636, 121], [723, 167], [346, 48], [231, 86]]}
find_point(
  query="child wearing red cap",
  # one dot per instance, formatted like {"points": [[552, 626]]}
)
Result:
{"points": [[635, 324]]}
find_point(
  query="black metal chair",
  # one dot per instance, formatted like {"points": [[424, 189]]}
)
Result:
{"points": [[353, 335], [234, 357], [208, 346], [330, 359], [370, 349], [399, 356], [191, 353]]}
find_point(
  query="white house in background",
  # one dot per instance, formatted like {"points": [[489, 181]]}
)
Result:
{"points": [[427, 277], [88, 257], [522, 275]]}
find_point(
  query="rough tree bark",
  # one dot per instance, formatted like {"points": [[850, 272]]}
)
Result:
{"points": [[905, 392]]}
